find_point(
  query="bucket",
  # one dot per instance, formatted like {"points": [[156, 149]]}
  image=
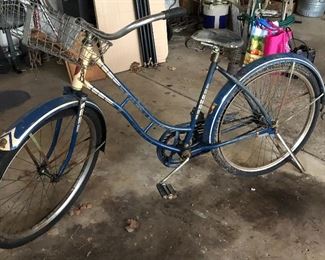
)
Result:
{"points": [[311, 8], [215, 15], [169, 3]]}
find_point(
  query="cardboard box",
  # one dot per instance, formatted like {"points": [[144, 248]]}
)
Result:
{"points": [[115, 14], [94, 73]]}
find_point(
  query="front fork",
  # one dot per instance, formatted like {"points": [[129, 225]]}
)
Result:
{"points": [[45, 166], [74, 136], [77, 85]]}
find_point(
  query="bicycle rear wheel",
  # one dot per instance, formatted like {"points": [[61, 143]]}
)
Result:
{"points": [[287, 91], [31, 200]]}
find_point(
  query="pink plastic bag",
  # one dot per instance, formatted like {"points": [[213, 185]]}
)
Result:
{"points": [[277, 41]]}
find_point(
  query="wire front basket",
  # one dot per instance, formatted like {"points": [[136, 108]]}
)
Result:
{"points": [[60, 35]]}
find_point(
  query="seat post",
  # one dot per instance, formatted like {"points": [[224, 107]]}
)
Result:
{"points": [[215, 54]]}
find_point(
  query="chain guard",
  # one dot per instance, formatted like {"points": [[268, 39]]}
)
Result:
{"points": [[174, 159], [169, 158]]}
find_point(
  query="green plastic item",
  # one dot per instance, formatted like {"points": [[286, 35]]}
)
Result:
{"points": [[283, 23], [288, 21]]}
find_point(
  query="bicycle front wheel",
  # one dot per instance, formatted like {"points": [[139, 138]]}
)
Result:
{"points": [[31, 199], [288, 92]]}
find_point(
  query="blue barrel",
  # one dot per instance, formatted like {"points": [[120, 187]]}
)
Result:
{"points": [[215, 15]]}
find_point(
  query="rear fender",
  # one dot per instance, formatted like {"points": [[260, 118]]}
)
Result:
{"points": [[228, 89]]}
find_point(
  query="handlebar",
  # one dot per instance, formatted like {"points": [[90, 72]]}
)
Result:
{"points": [[175, 12], [172, 13]]}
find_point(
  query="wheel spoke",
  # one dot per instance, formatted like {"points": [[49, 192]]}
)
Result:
{"points": [[28, 196], [301, 110], [65, 151], [31, 155], [245, 122], [25, 161], [287, 93]]}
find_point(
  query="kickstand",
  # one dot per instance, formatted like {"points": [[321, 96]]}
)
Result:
{"points": [[295, 160]]}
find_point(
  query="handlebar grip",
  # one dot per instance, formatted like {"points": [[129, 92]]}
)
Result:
{"points": [[175, 12]]}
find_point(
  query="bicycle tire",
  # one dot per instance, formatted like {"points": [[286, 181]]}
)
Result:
{"points": [[245, 155], [47, 220]]}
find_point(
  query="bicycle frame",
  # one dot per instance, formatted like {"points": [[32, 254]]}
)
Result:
{"points": [[187, 128]]}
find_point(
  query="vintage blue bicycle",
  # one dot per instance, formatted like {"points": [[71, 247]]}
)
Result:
{"points": [[257, 122]]}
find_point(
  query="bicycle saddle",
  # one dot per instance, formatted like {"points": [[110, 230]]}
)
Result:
{"points": [[219, 37]]}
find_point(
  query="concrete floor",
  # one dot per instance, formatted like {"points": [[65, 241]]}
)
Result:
{"points": [[217, 216], [312, 32]]}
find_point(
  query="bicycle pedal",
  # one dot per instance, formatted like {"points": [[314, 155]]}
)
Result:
{"points": [[166, 191]]}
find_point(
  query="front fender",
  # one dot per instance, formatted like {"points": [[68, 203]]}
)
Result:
{"points": [[18, 132], [244, 73]]}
